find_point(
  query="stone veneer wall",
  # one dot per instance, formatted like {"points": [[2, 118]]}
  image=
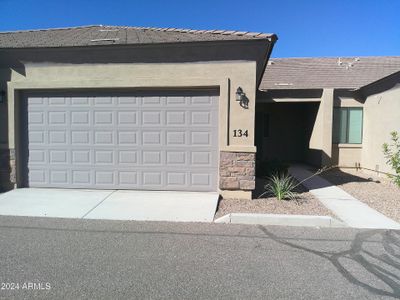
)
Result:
{"points": [[237, 171], [7, 169]]}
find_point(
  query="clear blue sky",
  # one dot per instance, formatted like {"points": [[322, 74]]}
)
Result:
{"points": [[305, 27]]}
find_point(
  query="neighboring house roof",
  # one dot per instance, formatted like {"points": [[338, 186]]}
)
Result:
{"points": [[327, 72], [118, 35]]}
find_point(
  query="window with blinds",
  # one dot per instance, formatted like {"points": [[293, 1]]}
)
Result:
{"points": [[347, 125]]}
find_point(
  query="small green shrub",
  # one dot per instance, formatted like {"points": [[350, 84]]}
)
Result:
{"points": [[392, 154], [281, 186]]}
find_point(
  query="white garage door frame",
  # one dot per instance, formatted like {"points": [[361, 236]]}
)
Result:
{"points": [[196, 107]]}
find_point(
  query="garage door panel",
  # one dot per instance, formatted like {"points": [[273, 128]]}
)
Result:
{"points": [[81, 157], [36, 137], [128, 178], [127, 157], [200, 179], [58, 137], [201, 100], [176, 137], [151, 138], [81, 177], [176, 101], [80, 118], [127, 137], [177, 157], [152, 118], [105, 178], [37, 156], [38, 177], [103, 137], [36, 118], [177, 118], [151, 141], [151, 101], [57, 101], [104, 118], [35, 101], [103, 101], [80, 101], [201, 138], [127, 101], [177, 179], [128, 118], [59, 177], [57, 118], [81, 137], [59, 157]]}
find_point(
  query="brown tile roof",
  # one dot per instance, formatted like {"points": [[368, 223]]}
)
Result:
{"points": [[327, 72], [118, 35]]}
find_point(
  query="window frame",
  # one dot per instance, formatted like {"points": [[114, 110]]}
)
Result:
{"points": [[347, 125]]}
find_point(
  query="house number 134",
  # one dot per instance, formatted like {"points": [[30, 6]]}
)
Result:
{"points": [[240, 133]]}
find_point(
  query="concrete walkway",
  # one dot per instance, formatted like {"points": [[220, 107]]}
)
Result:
{"points": [[110, 204], [350, 210]]}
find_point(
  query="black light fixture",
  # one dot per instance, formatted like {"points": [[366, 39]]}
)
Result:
{"points": [[239, 94], [241, 98], [2, 96]]}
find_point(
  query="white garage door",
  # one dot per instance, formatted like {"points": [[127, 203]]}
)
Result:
{"points": [[147, 140]]}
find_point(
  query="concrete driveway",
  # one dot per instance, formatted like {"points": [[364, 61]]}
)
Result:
{"points": [[110, 204]]}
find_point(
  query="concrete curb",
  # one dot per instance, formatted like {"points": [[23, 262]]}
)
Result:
{"points": [[281, 220]]}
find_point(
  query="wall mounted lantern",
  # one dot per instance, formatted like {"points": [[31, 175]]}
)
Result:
{"points": [[241, 98], [2, 96]]}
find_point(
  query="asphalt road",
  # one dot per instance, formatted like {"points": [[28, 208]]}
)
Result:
{"points": [[86, 259]]}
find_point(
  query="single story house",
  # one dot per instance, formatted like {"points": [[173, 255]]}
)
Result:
{"points": [[114, 107], [328, 111]]}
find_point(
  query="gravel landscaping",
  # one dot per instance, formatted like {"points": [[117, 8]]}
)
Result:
{"points": [[305, 205], [377, 192]]}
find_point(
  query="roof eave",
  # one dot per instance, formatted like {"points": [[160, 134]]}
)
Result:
{"points": [[309, 88], [371, 84], [270, 39], [273, 39]]}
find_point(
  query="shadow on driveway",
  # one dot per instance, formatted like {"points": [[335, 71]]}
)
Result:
{"points": [[389, 261]]}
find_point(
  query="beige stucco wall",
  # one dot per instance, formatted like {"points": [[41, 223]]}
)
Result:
{"points": [[316, 139], [346, 155], [381, 116], [346, 101], [227, 76], [326, 123]]}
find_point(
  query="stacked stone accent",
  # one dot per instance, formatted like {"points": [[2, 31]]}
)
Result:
{"points": [[13, 177], [237, 171]]}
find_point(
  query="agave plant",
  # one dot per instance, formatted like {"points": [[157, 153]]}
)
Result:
{"points": [[281, 186]]}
